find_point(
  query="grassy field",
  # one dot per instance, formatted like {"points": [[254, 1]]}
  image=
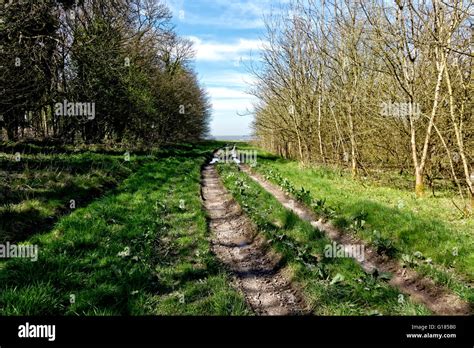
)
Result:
{"points": [[139, 249], [137, 240], [428, 233], [331, 286]]}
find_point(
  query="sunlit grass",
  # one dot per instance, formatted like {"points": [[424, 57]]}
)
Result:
{"points": [[332, 286], [430, 226]]}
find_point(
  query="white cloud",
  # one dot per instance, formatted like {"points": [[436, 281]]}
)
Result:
{"points": [[232, 106], [236, 15], [242, 14], [229, 93], [230, 100], [217, 51], [220, 43], [229, 78]]}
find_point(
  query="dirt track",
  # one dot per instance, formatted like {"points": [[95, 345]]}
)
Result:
{"points": [[256, 269], [423, 290]]}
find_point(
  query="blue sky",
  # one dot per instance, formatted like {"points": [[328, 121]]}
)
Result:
{"points": [[226, 35]]}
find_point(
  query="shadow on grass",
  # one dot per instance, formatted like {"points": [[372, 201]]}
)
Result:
{"points": [[271, 157], [51, 147], [105, 286], [71, 165], [17, 226]]}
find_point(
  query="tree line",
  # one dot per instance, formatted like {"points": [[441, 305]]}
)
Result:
{"points": [[97, 71], [370, 84]]}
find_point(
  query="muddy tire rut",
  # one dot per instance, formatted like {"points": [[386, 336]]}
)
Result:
{"points": [[421, 289], [256, 270]]}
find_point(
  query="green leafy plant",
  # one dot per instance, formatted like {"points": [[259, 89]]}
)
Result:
{"points": [[408, 260], [382, 244], [338, 278], [359, 220]]}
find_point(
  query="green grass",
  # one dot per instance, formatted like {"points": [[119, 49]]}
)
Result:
{"points": [[43, 186], [137, 242], [141, 249], [427, 233], [332, 286]]}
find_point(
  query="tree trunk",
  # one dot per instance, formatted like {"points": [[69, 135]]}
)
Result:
{"points": [[419, 183], [353, 143]]}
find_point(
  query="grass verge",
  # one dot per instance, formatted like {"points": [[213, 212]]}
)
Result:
{"points": [[426, 233]]}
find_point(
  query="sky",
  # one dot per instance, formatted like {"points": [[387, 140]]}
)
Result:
{"points": [[226, 36]]}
